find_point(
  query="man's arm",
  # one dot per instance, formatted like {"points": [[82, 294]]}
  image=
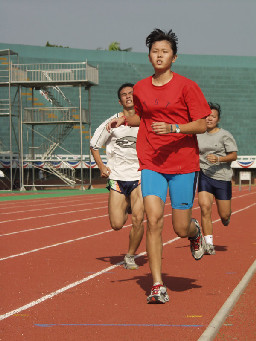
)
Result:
{"points": [[212, 158], [132, 121], [195, 127], [104, 170]]}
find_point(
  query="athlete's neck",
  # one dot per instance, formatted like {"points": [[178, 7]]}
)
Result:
{"points": [[162, 78], [212, 130], [127, 112]]}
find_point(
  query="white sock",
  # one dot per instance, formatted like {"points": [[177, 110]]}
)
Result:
{"points": [[209, 239], [157, 283]]}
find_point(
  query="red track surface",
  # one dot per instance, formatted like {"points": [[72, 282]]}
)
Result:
{"points": [[55, 243]]}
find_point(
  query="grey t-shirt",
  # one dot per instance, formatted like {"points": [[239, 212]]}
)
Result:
{"points": [[219, 143]]}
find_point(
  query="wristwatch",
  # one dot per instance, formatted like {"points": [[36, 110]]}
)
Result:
{"points": [[177, 128]]}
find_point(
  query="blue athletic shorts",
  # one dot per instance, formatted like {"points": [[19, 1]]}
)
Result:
{"points": [[182, 187], [222, 190], [123, 187]]}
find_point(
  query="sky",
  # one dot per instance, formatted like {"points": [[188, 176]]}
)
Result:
{"points": [[209, 27]]}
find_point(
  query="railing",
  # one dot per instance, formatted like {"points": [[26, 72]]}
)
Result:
{"points": [[4, 107], [54, 72], [53, 115]]}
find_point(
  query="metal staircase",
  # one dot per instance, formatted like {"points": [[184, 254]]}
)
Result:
{"points": [[60, 113], [57, 135]]}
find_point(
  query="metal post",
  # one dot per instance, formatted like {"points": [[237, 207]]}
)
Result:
{"points": [[33, 150], [22, 188], [10, 118], [90, 136], [81, 138]]}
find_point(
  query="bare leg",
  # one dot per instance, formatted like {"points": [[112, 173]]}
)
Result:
{"points": [[183, 225], [137, 229], [205, 201], [117, 209], [154, 208], [224, 210]]}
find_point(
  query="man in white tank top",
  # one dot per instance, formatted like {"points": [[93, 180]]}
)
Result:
{"points": [[122, 173]]}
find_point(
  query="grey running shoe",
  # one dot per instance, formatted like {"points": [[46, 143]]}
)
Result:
{"points": [[129, 262], [158, 295], [197, 243], [209, 249]]}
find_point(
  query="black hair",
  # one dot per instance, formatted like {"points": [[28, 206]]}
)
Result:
{"points": [[215, 106], [159, 35], [125, 85]]}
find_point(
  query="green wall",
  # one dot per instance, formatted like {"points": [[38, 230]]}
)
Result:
{"points": [[228, 80]]}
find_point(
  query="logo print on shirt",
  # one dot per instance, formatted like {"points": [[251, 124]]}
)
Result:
{"points": [[127, 142], [156, 101]]}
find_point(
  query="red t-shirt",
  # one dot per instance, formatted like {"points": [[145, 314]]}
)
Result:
{"points": [[179, 101]]}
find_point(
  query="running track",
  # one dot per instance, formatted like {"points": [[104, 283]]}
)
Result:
{"points": [[62, 276]]}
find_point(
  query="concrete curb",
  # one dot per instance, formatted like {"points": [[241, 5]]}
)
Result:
{"points": [[213, 328]]}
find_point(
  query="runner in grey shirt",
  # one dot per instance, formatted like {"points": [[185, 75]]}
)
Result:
{"points": [[219, 144], [217, 149]]}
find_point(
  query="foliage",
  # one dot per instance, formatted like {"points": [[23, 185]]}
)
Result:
{"points": [[115, 46], [52, 45]]}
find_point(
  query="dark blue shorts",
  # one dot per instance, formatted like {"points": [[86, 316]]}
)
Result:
{"points": [[222, 190], [123, 187]]}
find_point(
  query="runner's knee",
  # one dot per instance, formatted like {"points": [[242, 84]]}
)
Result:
{"points": [[205, 208]]}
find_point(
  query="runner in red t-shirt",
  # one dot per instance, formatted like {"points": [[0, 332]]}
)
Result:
{"points": [[170, 109]]}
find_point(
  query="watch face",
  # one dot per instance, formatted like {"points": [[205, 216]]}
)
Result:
{"points": [[177, 129]]}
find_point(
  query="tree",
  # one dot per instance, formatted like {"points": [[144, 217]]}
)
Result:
{"points": [[115, 46], [52, 45]]}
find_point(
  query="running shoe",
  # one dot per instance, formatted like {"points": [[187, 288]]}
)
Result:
{"points": [[158, 294], [129, 262], [197, 243], [209, 249]]}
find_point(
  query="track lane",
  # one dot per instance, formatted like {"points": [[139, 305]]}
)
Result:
{"points": [[123, 292], [191, 282]]}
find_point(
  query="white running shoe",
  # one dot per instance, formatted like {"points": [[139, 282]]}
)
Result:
{"points": [[209, 249], [197, 243], [158, 294], [129, 262]]}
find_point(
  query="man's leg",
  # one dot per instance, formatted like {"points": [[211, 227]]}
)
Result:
{"points": [[117, 209], [137, 229], [205, 200], [182, 189], [154, 208], [154, 190], [185, 226], [224, 210]]}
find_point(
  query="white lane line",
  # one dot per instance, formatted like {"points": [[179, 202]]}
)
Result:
{"points": [[57, 244], [59, 224], [55, 225], [84, 237], [54, 207], [214, 326], [39, 228], [39, 201], [55, 293], [70, 286], [68, 241], [52, 214]]}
